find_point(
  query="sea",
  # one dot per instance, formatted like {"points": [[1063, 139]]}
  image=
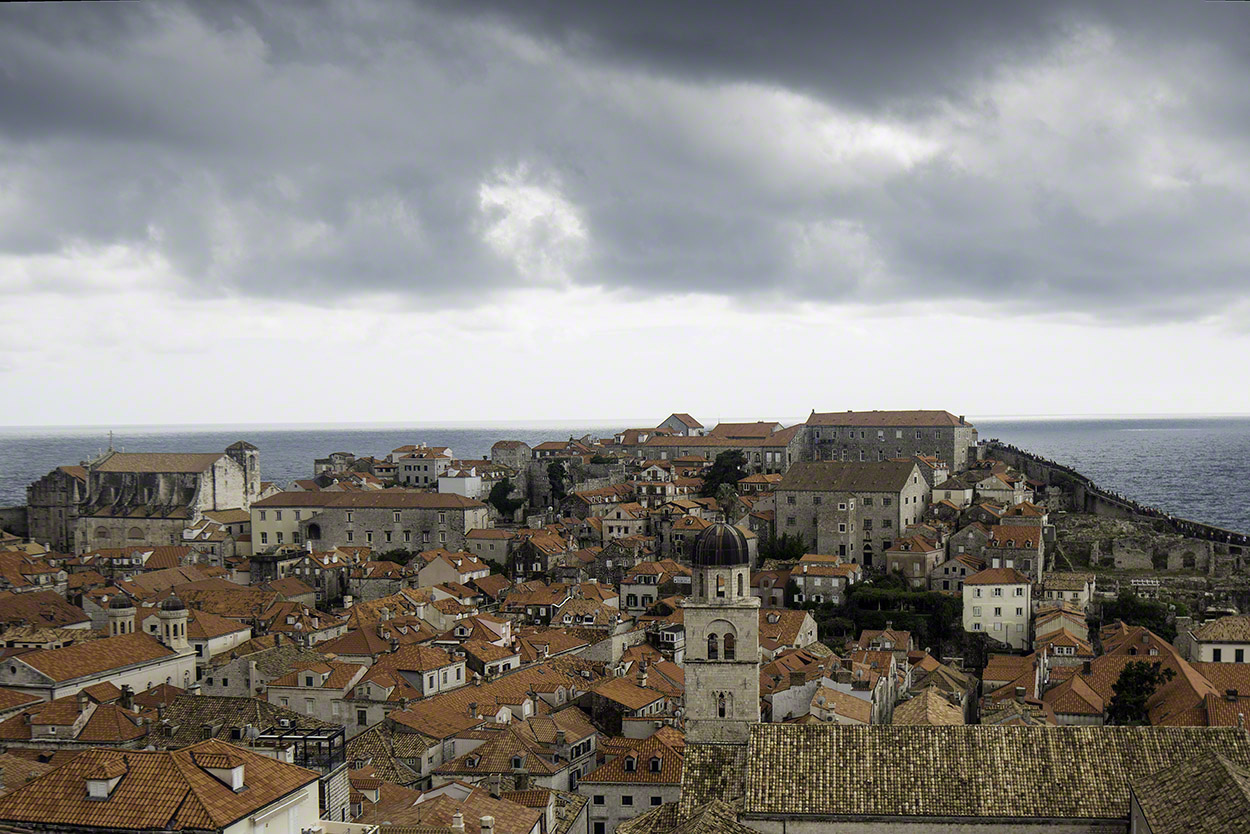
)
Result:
{"points": [[1193, 467]]}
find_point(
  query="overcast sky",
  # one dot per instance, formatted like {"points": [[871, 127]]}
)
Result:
{"points": [[359, 211]]}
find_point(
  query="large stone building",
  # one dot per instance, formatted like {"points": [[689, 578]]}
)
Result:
{"points": [[392, 519], [127, 498], [883, 435], [851, 510], [722, 640], [52, 506]]}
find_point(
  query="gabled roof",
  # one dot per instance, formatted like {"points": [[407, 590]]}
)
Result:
{"points": [[896, 771], [653, 762], [148, 462], [884, 419], [156, 790], [1206, 794], [95, 656], [997, 576], [836, 476], [928, 708]]}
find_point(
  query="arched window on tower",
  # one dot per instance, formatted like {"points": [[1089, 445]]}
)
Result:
{"points": [[740, 585], [720, 585], [720, 705], [713, 647], [729, 647]]}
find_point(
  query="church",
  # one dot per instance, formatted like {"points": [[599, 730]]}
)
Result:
{"points": [[741, 775]]}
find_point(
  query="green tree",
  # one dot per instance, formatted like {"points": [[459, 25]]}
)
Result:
{"points": [[555, 476], [786, 548], [727, 498], [1135, 611], [1137, 682], [499, 499], [728, 468]]}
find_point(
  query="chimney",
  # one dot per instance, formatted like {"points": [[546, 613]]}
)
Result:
{"points": [[496, 784], [128, 697], [473, 709], [1020, 692], [562, 738], [83, 700], [642, 675], [488, 825], [457, 823], [889, 625]]}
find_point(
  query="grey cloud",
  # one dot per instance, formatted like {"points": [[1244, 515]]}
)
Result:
{"points": [[326, 151]]}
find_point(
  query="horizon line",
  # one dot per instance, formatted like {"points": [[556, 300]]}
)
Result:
{"points": [[554, 423]]}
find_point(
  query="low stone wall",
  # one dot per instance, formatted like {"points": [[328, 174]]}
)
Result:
{"points": [[1091, 498]]}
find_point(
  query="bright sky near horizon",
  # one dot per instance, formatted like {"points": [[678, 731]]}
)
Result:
{"points": [[238, 212]]}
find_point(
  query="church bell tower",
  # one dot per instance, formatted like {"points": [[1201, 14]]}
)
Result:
{"points": [[722, 640]]}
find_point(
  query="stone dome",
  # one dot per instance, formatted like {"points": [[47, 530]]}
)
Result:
{"points": [[119, 603], [172, 604], [721, 546]]}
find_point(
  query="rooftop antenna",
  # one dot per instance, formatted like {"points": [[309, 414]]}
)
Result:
{"points": [[110, 440]]}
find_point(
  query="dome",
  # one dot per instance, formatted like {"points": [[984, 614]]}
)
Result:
{"points": [[119, 602], [173, 604], [721, 546]]}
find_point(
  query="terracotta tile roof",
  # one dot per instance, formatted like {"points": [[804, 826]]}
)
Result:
{"points": [[188, 715], [883, 419], [891, 771], [785, 630], [1002, 535], [330, 674], [843, 703], [626, 693], [1074, 697], [96, 656], [157, 462], [836, 476], [11, 699], [156, 791], [396, 499], [1206, 794], [654, 762], [928, 708], [1224, 630], [997, 576], [16, 771], [202, 625], [39, 608]]}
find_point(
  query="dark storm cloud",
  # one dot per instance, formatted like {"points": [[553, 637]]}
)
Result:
{"points": [[1082, 158]]}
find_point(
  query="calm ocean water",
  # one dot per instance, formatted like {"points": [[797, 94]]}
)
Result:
{"points": [[1192, 467]]}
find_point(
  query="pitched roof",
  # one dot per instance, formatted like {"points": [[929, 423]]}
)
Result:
{"points": [[157, 462], [881, 419], [836, 476], [997, 576], [396, 499], [42, 608], [156, 791], [96, 656], [1224, 630], [928, 708], [1206, 794], [654, 762], [891, 771]]}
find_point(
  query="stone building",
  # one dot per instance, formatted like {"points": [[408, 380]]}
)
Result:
{"points": [[151, 497], [722, 640], [851, 510], [382, 519], [883, 435], [52, 506]]}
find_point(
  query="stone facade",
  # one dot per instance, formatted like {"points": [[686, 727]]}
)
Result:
{"points": [[885, 435], [52, 505], [722, 656], [854, 511], [150, 498]]}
